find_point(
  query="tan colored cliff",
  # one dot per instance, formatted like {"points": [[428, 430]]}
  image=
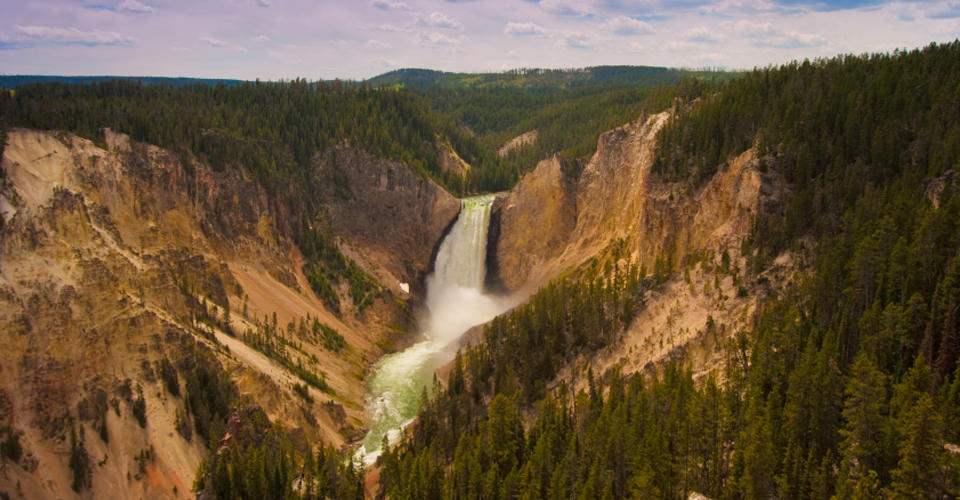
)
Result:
{"points": [[392, 219], [549, 225], [518, 142], [450, 161], [544, 204], [105, 258], [617, 197]]}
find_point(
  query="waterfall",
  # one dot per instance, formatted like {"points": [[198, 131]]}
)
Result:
{"points": [[455, 302]]}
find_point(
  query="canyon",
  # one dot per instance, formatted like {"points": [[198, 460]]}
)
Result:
{"points": [[118, 259]]}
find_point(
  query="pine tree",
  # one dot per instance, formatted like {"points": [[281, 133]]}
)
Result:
{"points": [[919, 473], [865, 432]]}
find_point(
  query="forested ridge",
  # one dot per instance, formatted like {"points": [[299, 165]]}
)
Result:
{"points": [[274, 131], [568, 113], [847, 385], [271, 130]]}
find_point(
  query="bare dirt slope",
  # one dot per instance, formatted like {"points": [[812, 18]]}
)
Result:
{"points": [[392, 219], [550, 224], [108, 257]]}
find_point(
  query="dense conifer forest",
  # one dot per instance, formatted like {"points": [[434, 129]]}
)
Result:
{"points": [[274, 131], [847, 387]]}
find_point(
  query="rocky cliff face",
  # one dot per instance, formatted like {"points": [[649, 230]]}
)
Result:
{"points": [[518, 142], [114, 261], [392, 219], [549, 224], [450, 161], [532, 225]]}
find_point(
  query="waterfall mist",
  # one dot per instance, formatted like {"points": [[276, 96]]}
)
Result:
{"points": [[455, 303]]}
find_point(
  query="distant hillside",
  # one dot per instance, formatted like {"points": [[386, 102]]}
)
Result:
{"points": [[13, 81], [540, 78], [410, 77]]}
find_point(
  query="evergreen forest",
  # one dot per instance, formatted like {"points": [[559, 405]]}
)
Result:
{"points": [[847, 385]]}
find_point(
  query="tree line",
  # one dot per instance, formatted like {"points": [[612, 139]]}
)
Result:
{"points": [[846, 386]]}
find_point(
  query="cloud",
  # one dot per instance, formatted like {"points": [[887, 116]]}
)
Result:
{"points": [[383, 62], [949, 10], [794, 40], [832, 5], [215, 42], [390, 5], [577, 40], [906, 13], [440, 20], [766, 35], [564, 8], [438, 40], [263, 3], [623, 25], [260, 39], [702, 34], [523, 29], [287, 55], [31, 36], [755, 30], [134, 6], [377, 44]]}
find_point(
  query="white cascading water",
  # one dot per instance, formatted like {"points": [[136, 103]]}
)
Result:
{"points": [[456, 302]]}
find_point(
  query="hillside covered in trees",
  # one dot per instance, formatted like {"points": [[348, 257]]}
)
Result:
{"points": [[847, 386], [568, 108]]}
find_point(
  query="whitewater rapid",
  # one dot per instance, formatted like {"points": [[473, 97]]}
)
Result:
{"points": [[455, 302]]}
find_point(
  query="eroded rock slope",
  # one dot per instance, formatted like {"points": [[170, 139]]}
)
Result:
{"points": [[130, 278]]}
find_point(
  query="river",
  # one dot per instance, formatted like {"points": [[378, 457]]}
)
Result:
{"points": [[455, 302]]}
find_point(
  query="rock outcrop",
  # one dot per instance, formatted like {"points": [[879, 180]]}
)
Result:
{"points": [[393, 219], [115, 260], [532, 224], [450, 161], [617, 208], [518, 142], [549, 223]]}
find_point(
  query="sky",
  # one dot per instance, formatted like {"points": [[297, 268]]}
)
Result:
{"points": [[357, 39]]}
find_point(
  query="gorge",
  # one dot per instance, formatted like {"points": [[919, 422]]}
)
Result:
{"points": [[455, 302], [712, 287]]}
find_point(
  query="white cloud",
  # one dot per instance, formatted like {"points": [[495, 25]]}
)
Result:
{"points": [[377, 44], [702, 34], [383, 62], [945, 10], [766, 35], [439, 40], [440, 20], [793, 40], [623, 25], [389, 28], [390, 5], [287, 55], [134, 6], [906, 12], [578, 40], [47, 35], [263, 3], [523, 29], [755, 30], [564, 7], [260, 39], [215, 42]]}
